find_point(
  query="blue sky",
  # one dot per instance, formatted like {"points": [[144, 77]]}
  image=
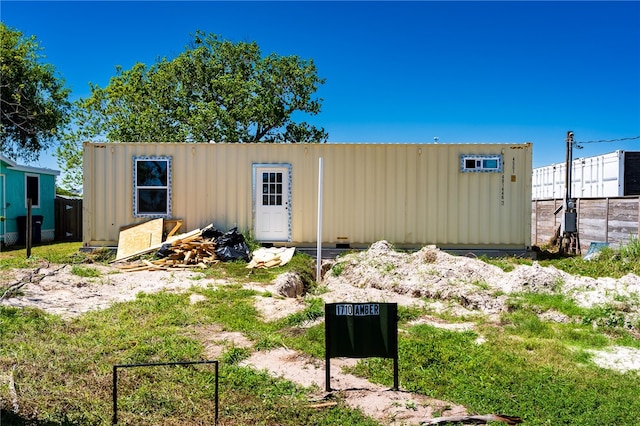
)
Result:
{"points": [[395, 71]]}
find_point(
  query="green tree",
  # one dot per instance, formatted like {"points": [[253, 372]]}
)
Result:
{"points": [[215, 90], [34, 101]]}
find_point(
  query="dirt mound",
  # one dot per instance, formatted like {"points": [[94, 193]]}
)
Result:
{"points": [[471, 283]]}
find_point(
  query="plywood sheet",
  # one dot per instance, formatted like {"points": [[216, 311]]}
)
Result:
{"points": [[139, 238]]}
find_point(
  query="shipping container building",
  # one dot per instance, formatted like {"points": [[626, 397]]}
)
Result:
{"points": [[455, 196]]}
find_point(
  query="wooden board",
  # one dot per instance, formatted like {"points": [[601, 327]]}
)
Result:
{"points": [[139, 238], [175, 239]]}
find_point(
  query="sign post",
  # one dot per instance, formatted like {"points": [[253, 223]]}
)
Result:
{"points": [[319, 233], [361, 330]]}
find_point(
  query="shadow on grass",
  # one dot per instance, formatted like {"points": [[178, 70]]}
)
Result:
{"points": [[9, 418], [546, 254]]}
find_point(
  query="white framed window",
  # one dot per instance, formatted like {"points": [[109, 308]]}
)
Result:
{"points": [[481, 163], [32, 190], [152, 186]]}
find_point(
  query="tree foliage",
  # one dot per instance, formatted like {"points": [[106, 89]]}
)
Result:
{"points": [[214, 91], [34, 101]]}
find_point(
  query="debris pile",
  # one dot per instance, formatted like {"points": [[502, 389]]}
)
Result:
{"points": [[199, 248]]}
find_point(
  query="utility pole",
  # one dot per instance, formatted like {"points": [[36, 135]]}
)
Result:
{"points": [[567, 179], [570, 242]]}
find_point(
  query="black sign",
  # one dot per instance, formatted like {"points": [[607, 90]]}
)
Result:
{"points": [[361, 330]]}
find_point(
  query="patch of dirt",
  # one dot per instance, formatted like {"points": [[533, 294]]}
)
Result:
{"points": [[386, 405], [454, 285], [62, 293], [618, 358], [216, 341]]}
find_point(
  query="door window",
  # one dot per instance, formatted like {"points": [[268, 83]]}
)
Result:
{"points": [[272, 189]]}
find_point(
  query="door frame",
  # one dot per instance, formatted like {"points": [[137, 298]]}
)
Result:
{"points": [[254, 179]]}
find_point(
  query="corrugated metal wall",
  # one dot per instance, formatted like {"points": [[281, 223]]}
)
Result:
{"points": [[408, 194]]}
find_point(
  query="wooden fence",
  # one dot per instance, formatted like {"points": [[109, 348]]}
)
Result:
{"points": [[68, 221], [611, 219]]}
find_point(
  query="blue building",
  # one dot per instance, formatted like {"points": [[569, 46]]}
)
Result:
{"points": [[17, 184]]}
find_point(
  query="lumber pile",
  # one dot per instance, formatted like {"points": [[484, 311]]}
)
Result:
{"points": [[190, 250]]}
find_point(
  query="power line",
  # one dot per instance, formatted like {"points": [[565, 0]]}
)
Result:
{"points": [[610, 140]]}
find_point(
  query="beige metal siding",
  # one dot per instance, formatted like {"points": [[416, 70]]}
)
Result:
{"points": [[408, 194]]}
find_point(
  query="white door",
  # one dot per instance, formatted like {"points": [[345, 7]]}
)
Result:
{"points": [[272, 201]]}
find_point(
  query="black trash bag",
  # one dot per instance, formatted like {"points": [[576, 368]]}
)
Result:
{"points": [[211, 233], [165, 250], [232, 246]]}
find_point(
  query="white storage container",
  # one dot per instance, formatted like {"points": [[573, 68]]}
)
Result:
{"points": [[599, 176]]}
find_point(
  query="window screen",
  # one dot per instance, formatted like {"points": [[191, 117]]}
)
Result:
{"points": [[481, 163], [33, 190], [152, 186]]}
